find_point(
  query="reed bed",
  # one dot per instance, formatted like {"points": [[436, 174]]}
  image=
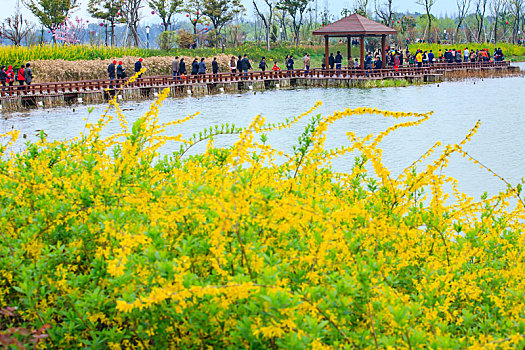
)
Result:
{"points": [[62, 70]]}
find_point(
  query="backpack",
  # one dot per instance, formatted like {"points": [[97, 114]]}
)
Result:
{"points": [[261, 64]]}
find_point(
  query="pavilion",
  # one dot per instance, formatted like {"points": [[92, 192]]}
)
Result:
{"points": [[355, 26]]}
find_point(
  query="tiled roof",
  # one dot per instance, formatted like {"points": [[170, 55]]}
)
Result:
{"points": [[354, 25]]}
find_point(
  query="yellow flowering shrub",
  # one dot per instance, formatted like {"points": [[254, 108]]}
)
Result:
{"points": [[115, 247]]}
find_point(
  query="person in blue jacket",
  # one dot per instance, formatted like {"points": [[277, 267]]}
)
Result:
{"points": [[202, 67], [138, 66]]}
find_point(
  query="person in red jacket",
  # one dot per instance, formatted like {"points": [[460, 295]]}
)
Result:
{"points": [[10, 75], [21, 76]]}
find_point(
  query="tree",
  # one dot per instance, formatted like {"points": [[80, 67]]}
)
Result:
{"points": [[463, 6], [266, 17], [184, 39], [131, 12], [427, 4], [70, 32], [296, 10], [51, 13], [496, 7], [360, 7], [479, 13], [15, 28], [110, 11], [384, 12], [165, 9], [194, 12], [221, 12], [516, 8]]}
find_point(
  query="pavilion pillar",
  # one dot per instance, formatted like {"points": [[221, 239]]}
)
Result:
{"points": [[383, 50], [349, 53], [362, 48], [326, 51]]}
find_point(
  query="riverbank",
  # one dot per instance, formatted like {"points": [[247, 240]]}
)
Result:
{"points": [[94, 92]]}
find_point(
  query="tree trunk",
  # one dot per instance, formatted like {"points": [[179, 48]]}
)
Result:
{"points": [[429, 24]]}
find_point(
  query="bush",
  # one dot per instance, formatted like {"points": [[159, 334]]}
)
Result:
{"points": [[248, 247], [185, 39], [167, 40]]}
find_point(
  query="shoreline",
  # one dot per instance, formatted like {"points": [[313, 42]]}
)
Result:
{"points": [[25, 103]]}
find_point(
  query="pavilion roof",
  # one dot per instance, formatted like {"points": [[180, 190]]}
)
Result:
{"points": [[354, 25]]}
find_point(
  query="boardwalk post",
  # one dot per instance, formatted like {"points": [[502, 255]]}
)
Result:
{"points": [[362, 46], [383, 50], [349, 53], [326, 51]]}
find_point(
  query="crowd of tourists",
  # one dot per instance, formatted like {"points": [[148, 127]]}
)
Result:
{"points": [[22, 76], [373, 61]]}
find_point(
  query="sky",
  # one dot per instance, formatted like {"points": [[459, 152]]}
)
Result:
{"points": [[440, 8]]}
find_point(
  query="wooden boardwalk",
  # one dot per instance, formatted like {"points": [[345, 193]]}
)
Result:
{"points": [[87, 86], [94, 91]]}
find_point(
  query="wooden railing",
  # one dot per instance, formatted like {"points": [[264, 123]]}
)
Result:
{"points": [[87, 86]]}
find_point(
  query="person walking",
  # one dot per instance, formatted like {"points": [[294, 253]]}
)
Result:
{"points": [[239, 65], [291, 63], [233, 65], [112, 73], [175, 68], [430, 57], [331, 60], [262, 64], [195, 66], [338, 61], [246, 65], [419, 59], [138, 66], [202, 67], [182, 67], [20, 76], [10, 75], [3, 77], [466, 54], [28, 74], [121, 72], [306, 62], [215, 66]]}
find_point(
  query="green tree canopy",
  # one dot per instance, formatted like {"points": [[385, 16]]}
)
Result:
{"points": [[51, 13], [165, 9], [220, 12]]}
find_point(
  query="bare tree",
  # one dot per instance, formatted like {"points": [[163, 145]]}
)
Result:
{"points": [[384, 12], [15, 28], [463, 7], [296, 10], [131, 11], [481, 8], [360, 7], [516, 9], [496, 7], [427, 4], [266, 17]]}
